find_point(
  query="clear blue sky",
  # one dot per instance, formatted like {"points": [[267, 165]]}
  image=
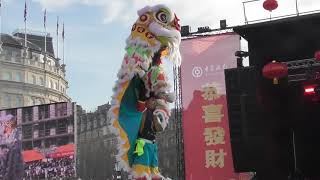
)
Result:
{"points": [[96, 31]]}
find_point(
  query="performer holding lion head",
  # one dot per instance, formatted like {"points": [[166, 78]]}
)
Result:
{"points": [[140, 104]]}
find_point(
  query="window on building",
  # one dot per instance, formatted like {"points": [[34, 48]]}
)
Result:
{"points": [[61, 126], [18, 77], [34, 80], [44, 111], [41, 101], [38, 101], [102, 119], [32, 62], [53, 63], [61, 109], [56, 86], [95, 123], [8, 53], [33, 101], [41, 58], [51, 84], [41, 81], [16, 56], [89, 126], [13, 112], [19, 101], [27, 133], [27, 114], [7, 76], [7, 100], [167, 162]]}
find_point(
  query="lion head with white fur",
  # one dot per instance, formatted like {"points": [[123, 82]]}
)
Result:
{"points": [[157, 27]]}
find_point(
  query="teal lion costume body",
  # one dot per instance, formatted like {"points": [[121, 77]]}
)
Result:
{"points": [[140, 104]]}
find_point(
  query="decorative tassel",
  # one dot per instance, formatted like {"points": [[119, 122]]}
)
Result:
{"points": [[275, 81]]}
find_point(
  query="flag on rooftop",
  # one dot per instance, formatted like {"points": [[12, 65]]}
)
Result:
{"points": [[63, 31], [25, 10], [45, 18]]}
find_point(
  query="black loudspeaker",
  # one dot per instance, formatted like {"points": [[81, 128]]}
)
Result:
{"points": [[258, 122], [223, 24], [241, 86], [185, 30]]}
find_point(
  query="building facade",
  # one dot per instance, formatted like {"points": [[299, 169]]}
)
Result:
{"points": [[96, 145], [30, 76], [44, 127], [167, 148]]}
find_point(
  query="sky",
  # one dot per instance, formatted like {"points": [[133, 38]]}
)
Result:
{"points": [[96, 30]]}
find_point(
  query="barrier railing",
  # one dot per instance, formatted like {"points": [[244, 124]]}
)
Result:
{"points": [[253, 10]]}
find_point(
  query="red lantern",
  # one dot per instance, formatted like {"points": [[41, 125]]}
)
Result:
{"points": [[317, 55], [275, 70], [270, 5]]}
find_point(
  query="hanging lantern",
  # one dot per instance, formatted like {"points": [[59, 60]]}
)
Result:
{"points": [[270, 5], [275, 70], [317, 55]]}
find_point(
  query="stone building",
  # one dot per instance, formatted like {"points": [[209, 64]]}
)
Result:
{"points": [[96, 145], [29, 75], [167, 148]]}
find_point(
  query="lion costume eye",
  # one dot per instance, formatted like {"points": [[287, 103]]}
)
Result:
{"points": [[144, 18], [162, 17]]}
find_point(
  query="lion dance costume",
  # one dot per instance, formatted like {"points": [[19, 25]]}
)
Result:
{"points": [[140, 104]]}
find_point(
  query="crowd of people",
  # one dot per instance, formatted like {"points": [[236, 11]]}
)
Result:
{"points": [[57, 168]]}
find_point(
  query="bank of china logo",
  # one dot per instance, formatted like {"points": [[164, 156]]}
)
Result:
{"points": [[197, 72]]}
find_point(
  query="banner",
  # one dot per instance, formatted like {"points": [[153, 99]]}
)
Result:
{"points": [[207, 148]]}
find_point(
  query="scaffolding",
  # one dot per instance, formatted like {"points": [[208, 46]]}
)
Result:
{"points": [[302, 70], [178, 120]]}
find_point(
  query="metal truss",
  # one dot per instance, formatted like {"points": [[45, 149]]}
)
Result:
{"points": [[301, 70], [178, 121], [210, 32], [299, 64]]}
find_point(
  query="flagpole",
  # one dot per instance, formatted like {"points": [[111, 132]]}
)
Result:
{"points": [[0, 25], [25, 23], [63, 43], [45, 31], [57, 37], [63, 49], [25, 34]]}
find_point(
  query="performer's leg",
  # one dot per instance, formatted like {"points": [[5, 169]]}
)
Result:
{"points": [[154, 164], [141, 164]]}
